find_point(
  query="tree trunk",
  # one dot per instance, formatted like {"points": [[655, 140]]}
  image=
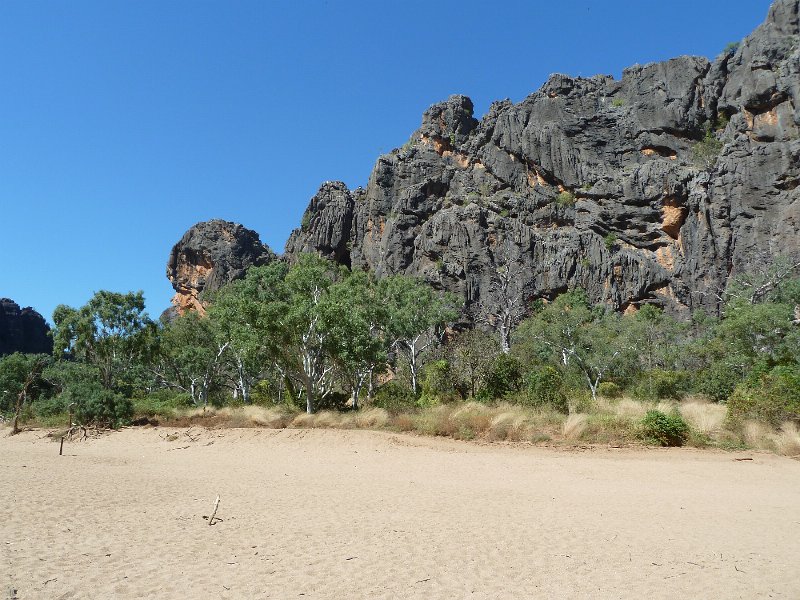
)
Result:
{"points": [[505, 338], [15, 427], [309, 396], [412, 363]]}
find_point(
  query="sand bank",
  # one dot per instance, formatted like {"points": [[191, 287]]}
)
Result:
{"points": [[363, 514]]}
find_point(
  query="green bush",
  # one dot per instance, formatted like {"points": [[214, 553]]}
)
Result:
{"points": [[161, 403], [94, 404], [609, 389], [503, 377], [617, 102], [51, 407], [663, 429], [731, 48], [773, 399], [707, 150], [565, 198], [659, 384], [395, 398], [437, 384], [544, 387], [717, 381], [610, 240]]}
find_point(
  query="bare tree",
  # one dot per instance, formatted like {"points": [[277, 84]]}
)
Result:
{"points": [[504, 307], [755, 286]]}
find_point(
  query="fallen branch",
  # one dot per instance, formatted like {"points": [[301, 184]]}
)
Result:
{"points": [[214, 513]]}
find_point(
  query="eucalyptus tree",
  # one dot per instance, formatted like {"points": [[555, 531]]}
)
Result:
{"points": [[592, 341], [307, 333], [246, 315], [112, 332], [416, 316], [356, 319], [190, 357]]}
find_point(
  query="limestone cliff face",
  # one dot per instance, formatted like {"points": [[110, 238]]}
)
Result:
{"points": [[23, 330], [653, 188], [209, 255]]}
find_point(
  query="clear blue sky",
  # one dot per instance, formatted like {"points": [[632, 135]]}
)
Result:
{"points": [[124, 123]]}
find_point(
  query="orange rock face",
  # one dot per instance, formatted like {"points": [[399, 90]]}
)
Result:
{"points": [[209, 255]]}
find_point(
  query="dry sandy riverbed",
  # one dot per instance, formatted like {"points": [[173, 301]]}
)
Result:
{"points": [[362, 514]]}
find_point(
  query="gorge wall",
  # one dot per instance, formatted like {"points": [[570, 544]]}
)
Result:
{"points": [[655, 188], [596, 183], [23, 330]]}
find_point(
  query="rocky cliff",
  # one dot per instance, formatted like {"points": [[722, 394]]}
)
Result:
{"points": [[23, 330], [654, 188], [209, 255]]}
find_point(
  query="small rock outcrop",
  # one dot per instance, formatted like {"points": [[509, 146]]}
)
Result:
{"points": [[23, 330], [655, 188], [209, 255]]}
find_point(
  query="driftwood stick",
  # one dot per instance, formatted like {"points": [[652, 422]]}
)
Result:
{"points": [[61, 447], [214, 513]]}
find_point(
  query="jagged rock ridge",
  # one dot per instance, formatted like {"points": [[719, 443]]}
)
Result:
{"points": [[209, 255], [23, 330], [653, 188]]}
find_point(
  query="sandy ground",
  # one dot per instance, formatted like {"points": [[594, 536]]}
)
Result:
{"points": [[360, 514]]}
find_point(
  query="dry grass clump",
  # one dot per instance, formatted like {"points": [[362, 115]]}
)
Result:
{"points": [[787, 440], [403, 422], [255, 416], [704, 417], [509, 423], [436, 421], [630, 409], [666, 406], [325, 419], [371, 418], [575, 426], [757, 435]]}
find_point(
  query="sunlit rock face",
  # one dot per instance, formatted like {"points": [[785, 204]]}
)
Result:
{"points": [[209, 255], [23, 330], [608, 185]]}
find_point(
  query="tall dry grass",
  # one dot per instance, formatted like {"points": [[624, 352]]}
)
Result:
{"points": [[604, 421], [787, 440], [575, 426], [704, 417]]}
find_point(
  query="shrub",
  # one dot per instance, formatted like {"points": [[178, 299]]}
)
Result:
{"points": [[565, 198], [617, 102], [94, 404], [503, 377], [731, 48], [437, 384], [609, 389], [773, 399], [659, 384], [51, 407], [718, 381], [610, 240], [544, 387], [707, 150], [663, 429], [395, 398], [161, 403]]}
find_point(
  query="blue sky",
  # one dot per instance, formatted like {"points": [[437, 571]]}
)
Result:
{"points": [[124, 123]]}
